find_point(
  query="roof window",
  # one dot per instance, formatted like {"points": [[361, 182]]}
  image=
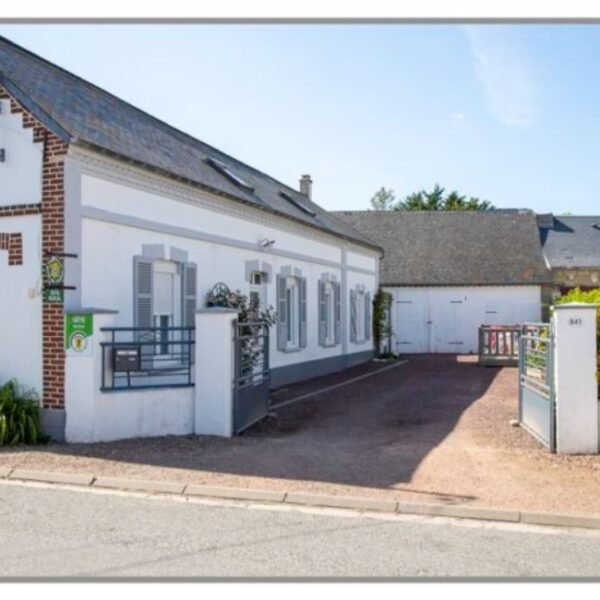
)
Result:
{"points": [[297, 203], [225, 170]]}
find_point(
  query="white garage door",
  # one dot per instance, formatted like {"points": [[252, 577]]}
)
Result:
{"points": [[446, 320]]}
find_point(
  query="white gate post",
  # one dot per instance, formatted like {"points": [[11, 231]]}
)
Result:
{"points": [[215, 364], [575, 378], [84, 372]]}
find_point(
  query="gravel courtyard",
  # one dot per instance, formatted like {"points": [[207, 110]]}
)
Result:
{"points": [[436, 429]]}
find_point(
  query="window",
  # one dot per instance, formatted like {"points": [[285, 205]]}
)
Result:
{"points": [[226, 170], [298, 204], [329, 311], [291, 312], [167, 301], [360, 315], [329, 314], [165, 294], [258, 290]]}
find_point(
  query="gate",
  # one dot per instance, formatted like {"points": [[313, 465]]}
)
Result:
{"points": [[252, 375], [537, 408]]}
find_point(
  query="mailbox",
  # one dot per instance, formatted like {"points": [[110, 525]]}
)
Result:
{"points": [[126, 358]]}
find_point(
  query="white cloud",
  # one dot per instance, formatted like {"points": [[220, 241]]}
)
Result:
{"points": [[457, 116], [507, 79]]}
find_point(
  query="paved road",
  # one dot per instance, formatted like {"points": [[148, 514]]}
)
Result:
{"points": [[59, 532]]}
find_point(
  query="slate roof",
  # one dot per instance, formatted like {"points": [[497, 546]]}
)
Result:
{"points": [[82, 113], [437, 248], [571, 241]]}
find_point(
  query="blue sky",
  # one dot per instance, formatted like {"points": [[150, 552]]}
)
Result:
{"points": [[508, 113]]}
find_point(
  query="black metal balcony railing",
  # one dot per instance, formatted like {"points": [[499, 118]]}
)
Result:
{"points": [[147, 358]]}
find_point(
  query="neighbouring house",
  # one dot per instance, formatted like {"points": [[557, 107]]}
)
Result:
{"points": [[571, 247], [450, 272], [106, 210]]}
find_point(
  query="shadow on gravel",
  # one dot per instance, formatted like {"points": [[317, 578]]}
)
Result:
{"points": [[373, 433]]}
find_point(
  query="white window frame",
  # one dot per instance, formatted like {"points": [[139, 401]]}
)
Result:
{"points": [[292, 291], [329, 292], [175, 316], [361, 315], [258, 286]]}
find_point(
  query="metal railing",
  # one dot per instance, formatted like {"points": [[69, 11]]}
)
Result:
{"points": [[252, 353], [536, 358], [147, 358], [499, 345]]}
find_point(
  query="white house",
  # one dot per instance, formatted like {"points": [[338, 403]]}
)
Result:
{"points": [[109, 212], [451, 271]]}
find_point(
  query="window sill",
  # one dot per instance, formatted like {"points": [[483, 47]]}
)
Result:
{"points": [[329, 345], [292, 349]]}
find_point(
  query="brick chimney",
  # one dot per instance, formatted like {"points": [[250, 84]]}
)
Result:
{"points": [[306, 186]]}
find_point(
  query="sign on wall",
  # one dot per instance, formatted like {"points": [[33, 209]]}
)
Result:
{"points": [[78, 334]]}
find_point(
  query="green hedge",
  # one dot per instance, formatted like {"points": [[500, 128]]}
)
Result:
{"points": [[587, 297]]}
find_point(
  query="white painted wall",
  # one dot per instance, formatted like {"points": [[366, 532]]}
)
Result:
{"points": [[21, 306], [575, 378], [108, 248], [447, 319], [21, 173], [94, 416], [120, 209]]}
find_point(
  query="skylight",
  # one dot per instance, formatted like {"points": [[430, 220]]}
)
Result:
{"points": [[297, 204], [225, 170]]}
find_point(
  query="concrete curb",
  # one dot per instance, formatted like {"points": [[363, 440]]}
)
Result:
{"points": [[5, 472], [84, 479], [352, 502], [235, 493], [459, 512], [363, 504], [140, 485]]}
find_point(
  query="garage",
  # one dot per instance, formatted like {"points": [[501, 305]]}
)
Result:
{"points": [[446, 319], [450, 272]]}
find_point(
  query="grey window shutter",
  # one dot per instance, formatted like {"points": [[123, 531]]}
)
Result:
{"points": [[353, 322], [302, 283], [368, 316], [143, 279], [281, 313], [322, 314], [338, 312], [143, 304], [190, 294]]}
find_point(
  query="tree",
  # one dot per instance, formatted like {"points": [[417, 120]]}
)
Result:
{"points": [[384, 199], [436, 199]]}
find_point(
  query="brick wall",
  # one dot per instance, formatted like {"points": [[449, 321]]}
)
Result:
{"points": [[13, 243], [53, 225]]}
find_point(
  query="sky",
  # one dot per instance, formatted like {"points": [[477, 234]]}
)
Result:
{"points": [[506, 113]]}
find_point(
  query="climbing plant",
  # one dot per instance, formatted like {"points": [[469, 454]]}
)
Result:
{"points": [[251, 317], [382, 328]]}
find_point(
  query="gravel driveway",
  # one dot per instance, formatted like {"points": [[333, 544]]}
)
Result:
{"points": [[436, 430]]}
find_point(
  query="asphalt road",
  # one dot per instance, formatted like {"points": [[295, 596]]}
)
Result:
{"points": [[47, 532]]}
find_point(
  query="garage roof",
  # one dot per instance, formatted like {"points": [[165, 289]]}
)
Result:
{"points": [[81, 113], [426, 248], [571, 242]]}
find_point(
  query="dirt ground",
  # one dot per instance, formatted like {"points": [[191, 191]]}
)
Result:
{"points": [[436, 429]]}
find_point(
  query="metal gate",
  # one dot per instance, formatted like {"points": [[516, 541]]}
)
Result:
{"points": [[252, 374], [537, 407]]}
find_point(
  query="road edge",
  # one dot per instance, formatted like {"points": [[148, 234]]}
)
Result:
{"points": [[358, 503]]}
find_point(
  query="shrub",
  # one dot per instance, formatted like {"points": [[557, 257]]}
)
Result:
{"points": [[381, 318], [19, 415], [587, 297]]}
